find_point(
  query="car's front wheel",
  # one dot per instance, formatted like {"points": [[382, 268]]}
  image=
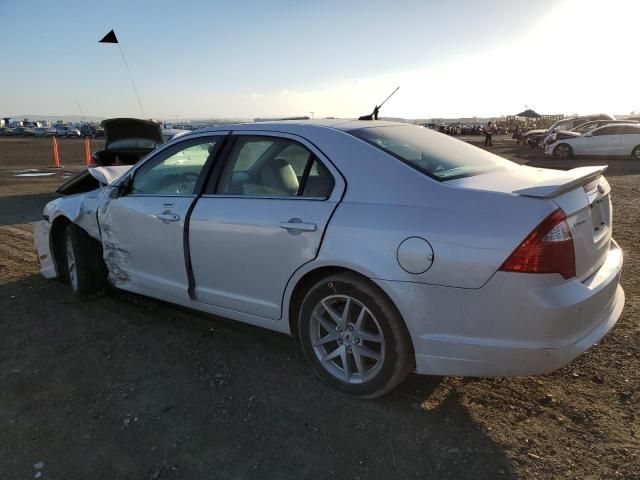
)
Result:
{"points": [[562, 151], [354, 337], [84, 267]]}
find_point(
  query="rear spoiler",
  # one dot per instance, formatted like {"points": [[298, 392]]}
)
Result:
{"points": [[553, 187]]}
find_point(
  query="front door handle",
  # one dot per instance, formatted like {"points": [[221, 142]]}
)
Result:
{"points": [[299, 225], [167, 217]]}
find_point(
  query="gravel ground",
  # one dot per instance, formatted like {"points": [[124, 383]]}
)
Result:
{"points": [[124, 387]]}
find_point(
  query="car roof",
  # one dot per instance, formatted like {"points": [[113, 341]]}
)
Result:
{"points": [[294, 126], [634, 125]]}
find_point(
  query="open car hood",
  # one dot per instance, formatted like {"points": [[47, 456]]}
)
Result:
{"points": [[130, 134], [92, 178]]}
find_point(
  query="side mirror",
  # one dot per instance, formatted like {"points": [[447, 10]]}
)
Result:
{"points": [[588, 134], [122, 188]]}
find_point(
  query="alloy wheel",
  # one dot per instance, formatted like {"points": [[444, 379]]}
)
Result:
{"points": [[347, 339], [562, 151]]}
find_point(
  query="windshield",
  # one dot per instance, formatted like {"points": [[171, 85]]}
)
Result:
{"points": [[434, 154]]}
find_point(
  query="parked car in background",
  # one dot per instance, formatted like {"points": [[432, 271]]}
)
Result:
{"points": [[40, 132], [582, 129], [92, 131], [535, 138], [383, 248], [51, 132], [73, 132], [61, 130], [6, 132], [24, 132], [618, 140]]}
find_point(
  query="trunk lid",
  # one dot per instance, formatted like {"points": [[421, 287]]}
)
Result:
{"points": [[582, 193]]}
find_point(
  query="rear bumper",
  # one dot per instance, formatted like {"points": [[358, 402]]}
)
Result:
{"points": [[517, 324], [42, 244]]}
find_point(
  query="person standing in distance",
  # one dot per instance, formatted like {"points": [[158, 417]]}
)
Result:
{"points": [[488, 132]]}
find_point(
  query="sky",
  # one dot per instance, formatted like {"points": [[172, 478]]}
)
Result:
{"points": [[248, 59]]}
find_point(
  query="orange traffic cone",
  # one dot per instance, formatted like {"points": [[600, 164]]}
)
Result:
{"points": [[87, 151], [56, 157]]}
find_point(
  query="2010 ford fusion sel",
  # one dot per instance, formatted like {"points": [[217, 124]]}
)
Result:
{"points": [[381, 247]]}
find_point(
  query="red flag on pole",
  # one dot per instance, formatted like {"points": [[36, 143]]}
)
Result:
{"points": [[109, 38]]}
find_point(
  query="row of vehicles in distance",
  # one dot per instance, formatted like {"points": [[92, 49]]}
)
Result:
{"points": [[592, 135], [55, 131]]}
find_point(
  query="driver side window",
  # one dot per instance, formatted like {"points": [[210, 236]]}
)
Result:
{"points": [[175, 170]]}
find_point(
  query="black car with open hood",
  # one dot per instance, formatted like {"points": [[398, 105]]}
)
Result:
{"points": [[127, 140]]}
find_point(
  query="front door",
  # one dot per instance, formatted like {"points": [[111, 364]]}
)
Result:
{"points": [[143, 230], [261, 220], [604, 141]]}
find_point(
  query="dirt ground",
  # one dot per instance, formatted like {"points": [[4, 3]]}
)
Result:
{"points": [[124, 387]]}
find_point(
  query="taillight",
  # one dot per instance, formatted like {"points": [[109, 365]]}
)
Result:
{"points": [[548, 249]]}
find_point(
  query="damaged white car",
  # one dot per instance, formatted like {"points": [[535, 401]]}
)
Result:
{"points": [[381, 247]]}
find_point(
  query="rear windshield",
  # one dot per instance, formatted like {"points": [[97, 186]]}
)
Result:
{"points": [[434, 154]]}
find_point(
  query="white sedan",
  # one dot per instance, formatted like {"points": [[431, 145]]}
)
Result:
{"points": [[615, 140], [381, 247]]}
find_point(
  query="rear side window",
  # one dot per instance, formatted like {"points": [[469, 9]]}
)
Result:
{"points": [[629, 130], [436, 155], [273, 167]]}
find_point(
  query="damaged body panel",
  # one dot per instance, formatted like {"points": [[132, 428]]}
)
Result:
{"points": [[84, 194]]}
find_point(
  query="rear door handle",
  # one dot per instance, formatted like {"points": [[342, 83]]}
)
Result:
{"points": [[299, 225], [167, 217]]}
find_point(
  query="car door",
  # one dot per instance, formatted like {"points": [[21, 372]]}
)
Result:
{"points": [[261, 219], [143, 228], [602, 141]]}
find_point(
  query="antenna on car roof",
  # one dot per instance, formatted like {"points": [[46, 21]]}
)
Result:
{"points": [[374, 114]]}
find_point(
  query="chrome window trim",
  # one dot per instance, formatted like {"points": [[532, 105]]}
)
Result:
{"points": [[266, 197], [160, 195]]}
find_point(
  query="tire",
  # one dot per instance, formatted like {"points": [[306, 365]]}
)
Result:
{"points": [[84, 267], [373, 328], [636, 153], [563, 150]]}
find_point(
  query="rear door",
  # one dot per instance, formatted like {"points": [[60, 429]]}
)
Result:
{"points": [[143, 230], [261, 218]]}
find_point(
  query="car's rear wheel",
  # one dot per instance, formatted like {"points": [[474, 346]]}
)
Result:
{"points": [[354, 337], [563, 151], [84, 267], [636, 153]]}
